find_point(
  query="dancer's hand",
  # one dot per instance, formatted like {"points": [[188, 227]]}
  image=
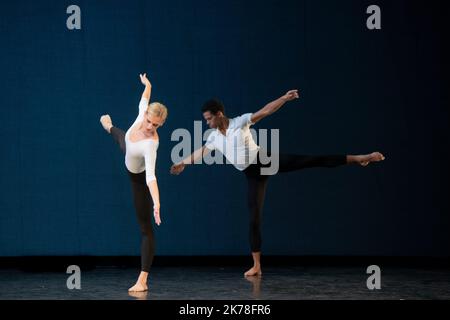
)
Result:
{"points": [[176, 169], [291, 95], [156, 215], [144, 80]]}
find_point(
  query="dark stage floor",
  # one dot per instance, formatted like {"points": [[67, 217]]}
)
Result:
{"points": [[210, 283]]}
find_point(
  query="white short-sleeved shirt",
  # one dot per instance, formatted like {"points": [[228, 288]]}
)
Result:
{"points": [[238, 145], [141, 155]]}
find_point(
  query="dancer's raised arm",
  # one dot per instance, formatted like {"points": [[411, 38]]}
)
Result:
{"points": [[148, 86], [274, 106]]}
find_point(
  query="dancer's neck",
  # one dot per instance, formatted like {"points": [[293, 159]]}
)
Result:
{"points": [[142, 131], [223, 125]]}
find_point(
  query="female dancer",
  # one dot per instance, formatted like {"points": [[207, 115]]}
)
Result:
{"points": [[140, 144]]}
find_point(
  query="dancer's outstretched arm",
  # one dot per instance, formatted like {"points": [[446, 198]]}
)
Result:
{"points": [[152, 183], [148, 86], [154, 192], [197, 154], [274, 106]]}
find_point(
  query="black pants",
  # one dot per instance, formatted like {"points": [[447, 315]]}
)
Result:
{"points": [[257, 184], [143, 205]]}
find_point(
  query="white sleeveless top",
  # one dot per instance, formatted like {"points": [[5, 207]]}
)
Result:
{"points": [[141, 155]]}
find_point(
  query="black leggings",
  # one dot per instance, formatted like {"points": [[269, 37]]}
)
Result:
{"points": [[257, 185], [143, 205]]}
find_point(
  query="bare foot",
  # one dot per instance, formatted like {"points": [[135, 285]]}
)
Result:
{"points": [[373, 157], [106, 122], [255, 271], [138, 287]]}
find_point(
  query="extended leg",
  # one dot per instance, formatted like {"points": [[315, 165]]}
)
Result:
{"points": [[292, 162], [117, 133], [119, 137]]}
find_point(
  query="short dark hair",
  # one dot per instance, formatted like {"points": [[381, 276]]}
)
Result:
{"points": [[213, 105]]}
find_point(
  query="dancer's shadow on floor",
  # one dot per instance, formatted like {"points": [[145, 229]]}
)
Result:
{"points": [[256, 286]]}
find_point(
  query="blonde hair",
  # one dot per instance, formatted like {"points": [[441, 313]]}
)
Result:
{"points": [[157, 109]]}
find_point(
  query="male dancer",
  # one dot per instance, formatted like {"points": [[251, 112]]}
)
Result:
{"points": [[233, 139]]}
